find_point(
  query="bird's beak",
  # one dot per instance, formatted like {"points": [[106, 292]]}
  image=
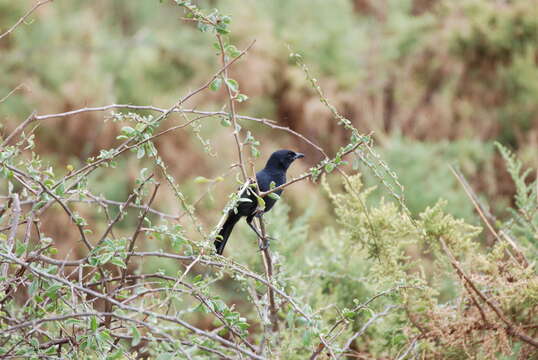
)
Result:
{"points": [[298, 156]]}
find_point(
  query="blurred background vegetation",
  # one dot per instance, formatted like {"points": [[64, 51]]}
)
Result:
{"points": [[436, 81]]}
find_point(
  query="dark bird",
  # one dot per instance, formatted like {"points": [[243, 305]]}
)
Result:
{"points": [[273, 172]]}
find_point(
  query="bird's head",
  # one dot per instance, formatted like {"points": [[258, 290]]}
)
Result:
{"points": [[282, 159]]}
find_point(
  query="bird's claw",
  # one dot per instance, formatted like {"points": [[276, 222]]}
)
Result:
{"points": [[265, 242]]}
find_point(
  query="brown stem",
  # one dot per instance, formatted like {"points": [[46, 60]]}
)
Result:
{"points": [[510, 327]]}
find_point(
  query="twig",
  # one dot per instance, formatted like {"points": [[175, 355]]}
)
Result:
{"points": [[271, 123], [115, 302], [373, 319], [268, 262], [12, 92], [10, 30], [19, 128], [120, 211], [474, 199], [409, 349], [231, 107], [510, 327], [118, 203], [15, 215], [137, 231]]}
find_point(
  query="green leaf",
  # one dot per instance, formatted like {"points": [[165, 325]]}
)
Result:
{"points": [[261, 202], [222, 28], [255, 152], [140, 127], [141, 152], [118, 354], [60, 190], [273, 196], [106, 257], [52, 291], [307, 337], [93, 323], [136, 336], [232, 51], [241, 97], [127, 130], [34, 286], [201, 180], [225, 122], [215, 84], [329, 167], [118, 262], [232, 84], [19, 248]]}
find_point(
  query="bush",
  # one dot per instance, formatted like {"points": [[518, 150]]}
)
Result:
{"points": [[125, 278]]}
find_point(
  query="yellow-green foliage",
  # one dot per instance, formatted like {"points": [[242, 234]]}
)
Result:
{"points": [[449, 320]]}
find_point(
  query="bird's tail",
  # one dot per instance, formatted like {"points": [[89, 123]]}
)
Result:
{"points": [[224, 233]]}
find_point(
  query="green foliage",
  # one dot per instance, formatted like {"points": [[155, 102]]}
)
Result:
{"points": [[523, 222], [91, 265], [424, 172]]}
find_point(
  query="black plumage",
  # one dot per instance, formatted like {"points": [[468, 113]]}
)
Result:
{"points": [[274, 171]]}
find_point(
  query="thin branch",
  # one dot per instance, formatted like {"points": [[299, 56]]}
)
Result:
{"points": [[268, 262], [15, 215], [522, 260], [137, 231], [268, 122], [34, 8], [120, 211], [19, 128], [510, 327], [373, 319], [12, 92], [118, 203], [231, 107], [122, 306]]}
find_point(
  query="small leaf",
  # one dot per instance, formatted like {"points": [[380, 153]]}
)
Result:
{"points": [[241, 97], [201, 180], [140, 153], [274, 196], [52, 291], [232, 51], [255, 152], [232, 84], [118, 262], [127, 130], [261, 202], [140, 127], [93, 323], [215, 84], [329, 167], [136, 336], [225, 122]]}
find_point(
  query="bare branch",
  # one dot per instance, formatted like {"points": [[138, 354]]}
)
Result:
{"points": [[510, 327], [34, 8]]}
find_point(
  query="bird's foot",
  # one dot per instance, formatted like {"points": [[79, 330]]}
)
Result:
{"points": [[265, 242]]}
